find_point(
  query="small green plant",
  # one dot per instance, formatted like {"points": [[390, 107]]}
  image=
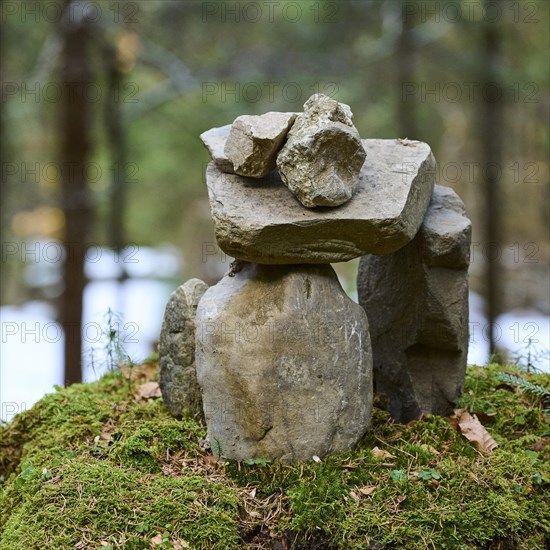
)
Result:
{"points": [[536, 391], [399, 475], [111, 350], [217, 447], [428, 473], [531, 355]]}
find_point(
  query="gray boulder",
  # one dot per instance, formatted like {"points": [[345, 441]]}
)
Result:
{"points": [[214, 140], [261, 221], [177, 375], [322, 158], [284, 364], [416, 300], [254, 141]]}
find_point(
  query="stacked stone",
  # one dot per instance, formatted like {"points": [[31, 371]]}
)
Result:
{"points": [[283, 358]]}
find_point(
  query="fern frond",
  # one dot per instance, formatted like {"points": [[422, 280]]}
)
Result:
{"points": [[536, 391]]}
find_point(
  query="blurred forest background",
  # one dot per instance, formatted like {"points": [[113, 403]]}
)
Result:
{"points": [[103, 169]]}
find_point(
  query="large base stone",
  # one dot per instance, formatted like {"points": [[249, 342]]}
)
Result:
{"points": [[261, 221], [416, 300], [177, 375], [284, 364]]}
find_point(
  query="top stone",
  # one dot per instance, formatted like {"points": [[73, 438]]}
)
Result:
{"points": [[214, 140], [322, 158], [254, 142], [261, 221]]}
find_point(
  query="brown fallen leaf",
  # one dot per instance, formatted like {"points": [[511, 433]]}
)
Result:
{"points": [[473, 430], [539, 445], [406, 142], [350, 466], [157, 539], [380, 453], [148, 390], [144, 373], [429, 448], [367, 490]]}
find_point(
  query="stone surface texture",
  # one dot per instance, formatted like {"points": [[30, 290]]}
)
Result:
{"points": [[261, 221], [214, 140], [255, 140], [284, 363], [416, 300], [322, 157], [177, 375]]}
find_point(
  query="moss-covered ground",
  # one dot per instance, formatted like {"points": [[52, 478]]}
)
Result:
{"points": [[91, 466]]}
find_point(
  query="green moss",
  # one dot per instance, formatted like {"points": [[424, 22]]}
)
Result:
{"points": [[92, 501], [91, 466]]}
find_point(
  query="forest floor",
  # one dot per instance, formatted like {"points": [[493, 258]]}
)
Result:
{"points": [[104, 465]]}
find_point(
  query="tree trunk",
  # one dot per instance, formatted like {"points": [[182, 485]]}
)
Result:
{"points": [[117, 146], [406, 109], [75, 146], [491, 137]]}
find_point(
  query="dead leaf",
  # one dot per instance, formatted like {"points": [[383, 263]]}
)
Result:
{"points": [[473, 430], [350, 466], [539, 445], [148, 390], [253, 493], [367, 490], [429, 448], [407, 142], [157, 539], [145, 372], [210, 460], [507, 387], [380, 453], [355, 496]]}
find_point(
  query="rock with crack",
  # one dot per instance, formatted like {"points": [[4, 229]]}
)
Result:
{"points": [[177, 375], [214, 140], [255, 140], [323, 155], [284, 364], [261, 221], [416, 300]]}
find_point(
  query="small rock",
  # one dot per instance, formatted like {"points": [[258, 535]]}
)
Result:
{"points": [[214, 140], [177, 375], [323, 155], [284, 364], [261, 221], [416, 300], [254, 142]]}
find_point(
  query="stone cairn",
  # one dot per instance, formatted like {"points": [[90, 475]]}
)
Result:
{"points": [[275, 357]]}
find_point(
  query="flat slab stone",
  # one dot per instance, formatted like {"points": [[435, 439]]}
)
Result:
{"points": [[261, 220]]}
